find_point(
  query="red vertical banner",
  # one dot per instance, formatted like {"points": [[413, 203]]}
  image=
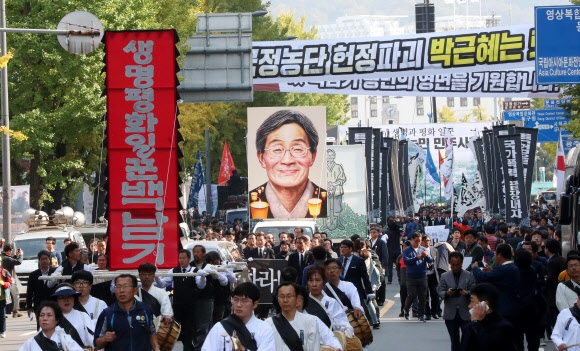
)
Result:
{"points": [[227, 165], [142, 146]]}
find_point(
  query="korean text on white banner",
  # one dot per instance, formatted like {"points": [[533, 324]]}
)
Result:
{"points": [[438, 233], [475, 62]]}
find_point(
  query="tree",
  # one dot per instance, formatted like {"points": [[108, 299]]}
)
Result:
{"points": [[446, 115], [477, 114], [55, 97], [228, 121]]}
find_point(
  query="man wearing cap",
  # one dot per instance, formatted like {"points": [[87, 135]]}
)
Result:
{"points": [[78, 325], [128, 323]]}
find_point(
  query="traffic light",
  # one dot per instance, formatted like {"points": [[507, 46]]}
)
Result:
{"points": [[425, 18]]}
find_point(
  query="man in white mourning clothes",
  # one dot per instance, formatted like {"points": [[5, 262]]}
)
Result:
{"points": [[293, 330], [251, 332]]}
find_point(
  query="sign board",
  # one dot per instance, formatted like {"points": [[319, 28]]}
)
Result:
{"points": [[548, 122], [267, 275], [551, 104], [557, 44], [516, 105], [438, 233]]}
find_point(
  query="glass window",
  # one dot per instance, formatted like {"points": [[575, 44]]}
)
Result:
{"points": [[419, 99], [463, 102], [385, 100], [354, 101], [476, 101], [373, 113], [420, 111], [354, 114], [450, 102], [373, 99]]}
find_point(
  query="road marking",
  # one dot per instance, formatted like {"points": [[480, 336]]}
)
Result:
{"points": [[386, 307], [29, 333], [398, 295]]}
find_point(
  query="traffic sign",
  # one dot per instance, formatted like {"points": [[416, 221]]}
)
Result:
{"points": [[557, 44], [516, 105], [548, 122]]}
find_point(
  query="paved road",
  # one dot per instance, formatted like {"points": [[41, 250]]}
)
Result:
{"points": [[394, 331]]}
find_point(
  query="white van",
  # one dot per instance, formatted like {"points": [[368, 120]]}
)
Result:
{"points": [[34, 240], [276, 227]]}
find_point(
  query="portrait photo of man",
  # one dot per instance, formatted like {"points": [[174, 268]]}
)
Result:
{"points": [[287, 143]]}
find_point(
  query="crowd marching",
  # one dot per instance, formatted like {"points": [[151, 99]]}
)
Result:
{"points": [[500, 285]]}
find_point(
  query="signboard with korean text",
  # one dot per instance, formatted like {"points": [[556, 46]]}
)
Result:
{"points": [[551, 104], [476, 62], [267, 275], [438, 233], [557, 44], [142, 148], [548, 122], [516, 105]]}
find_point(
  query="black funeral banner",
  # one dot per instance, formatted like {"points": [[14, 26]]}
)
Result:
{"points": [[364, 135], [479, 154], [395, 176], [375, 170], [387, 192], [529, 140], [488, 166], [405, 177], [513, 174], [267, 275], [498, 170]]}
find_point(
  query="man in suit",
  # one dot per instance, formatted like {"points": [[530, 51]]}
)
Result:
{"points": [[506, 278], [261, 251], [556, 264], [37, 290], [425, 219], [473, 249], [439, 220], [355, 271], [454, 287], [282, 236], [250, 245], [300, 258], [380, 248]]}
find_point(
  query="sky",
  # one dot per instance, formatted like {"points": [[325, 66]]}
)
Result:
{"points": [[327, 11]]}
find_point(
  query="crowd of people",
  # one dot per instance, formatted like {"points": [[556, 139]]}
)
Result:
{"points": [[500, 285]]}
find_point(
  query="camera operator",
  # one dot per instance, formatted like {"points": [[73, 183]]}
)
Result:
{"points": [[8, 263], [454, 287]]}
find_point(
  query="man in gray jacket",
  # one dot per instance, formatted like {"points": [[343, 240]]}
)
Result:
{"points": [[454, 287]]}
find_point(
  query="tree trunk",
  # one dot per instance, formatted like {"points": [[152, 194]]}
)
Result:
{"points": [[35, 188]]}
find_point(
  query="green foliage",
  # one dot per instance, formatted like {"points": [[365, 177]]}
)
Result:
{"points": [[55, 96]]}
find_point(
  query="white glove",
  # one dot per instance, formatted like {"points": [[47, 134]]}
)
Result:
{"points": [[349, 332], [202, 271], [212, 270], [370, 296], [250, 259]]}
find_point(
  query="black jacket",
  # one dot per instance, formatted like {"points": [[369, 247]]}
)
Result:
{"points": [[37, 290], [266, 253], [492, 333]]}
